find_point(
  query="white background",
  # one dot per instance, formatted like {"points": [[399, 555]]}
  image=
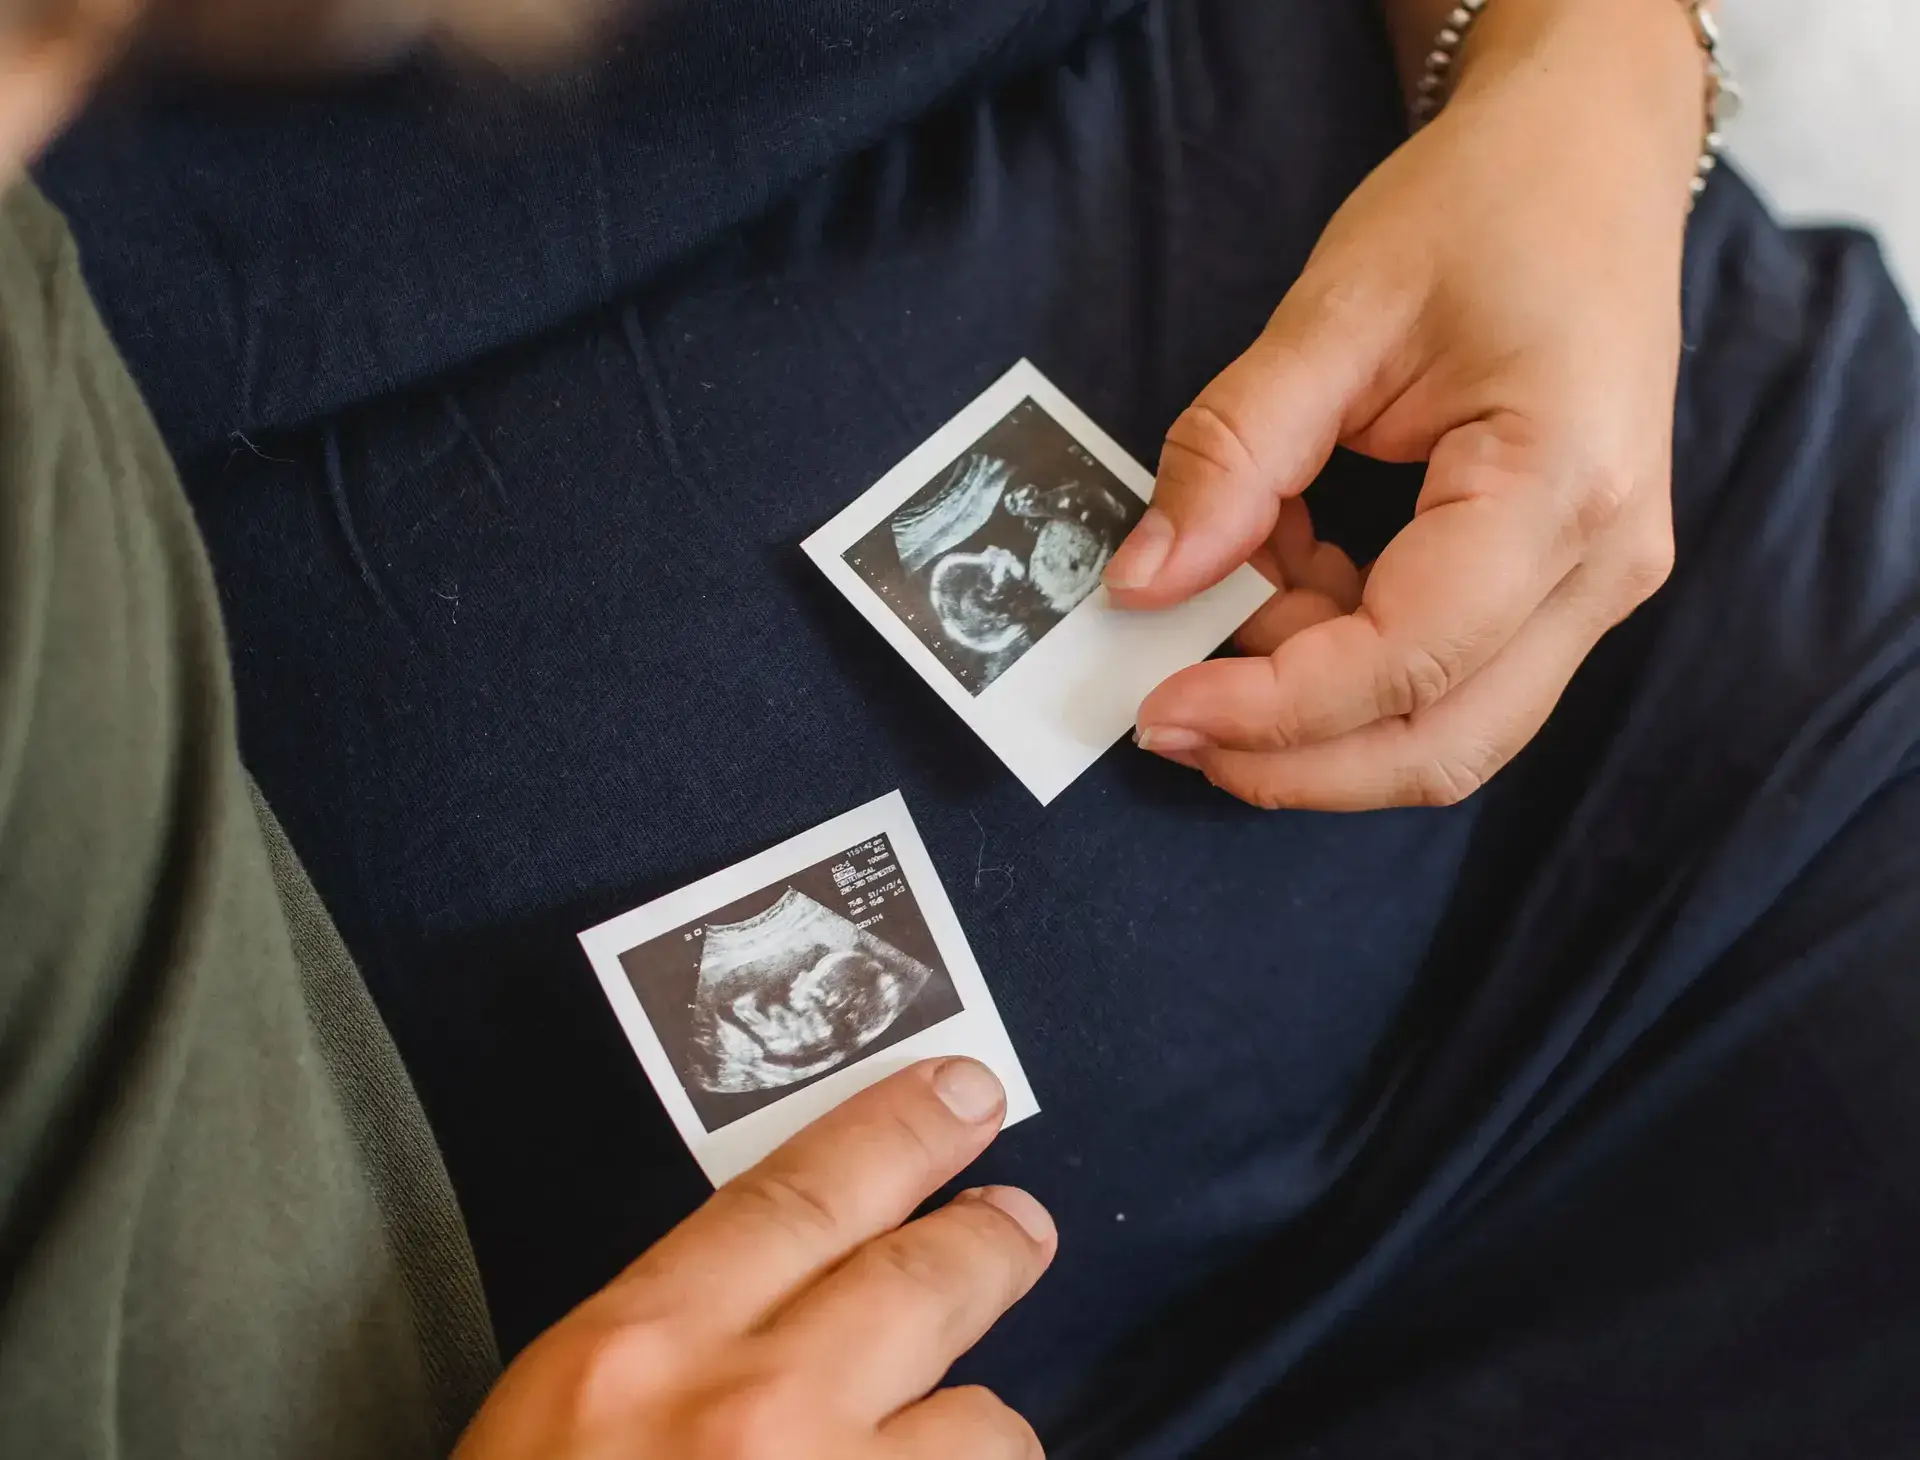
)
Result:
{"points": [[1831, 130]]}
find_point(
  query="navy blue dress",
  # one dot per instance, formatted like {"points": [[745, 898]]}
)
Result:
{"points": [[1574, 1121]]}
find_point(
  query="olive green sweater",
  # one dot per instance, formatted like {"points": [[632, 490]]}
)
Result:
{"points": [[224, 1227]]}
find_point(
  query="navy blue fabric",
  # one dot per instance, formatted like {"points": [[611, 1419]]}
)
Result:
{"points": [[1400, 1133], [330, 248]]}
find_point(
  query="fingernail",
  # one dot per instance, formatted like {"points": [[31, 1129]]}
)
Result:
{"points": [[1141, 555], [1031, 1216], [969, 1089], [1163, 738]]}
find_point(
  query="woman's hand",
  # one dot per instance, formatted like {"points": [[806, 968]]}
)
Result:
{"points": [[793, 1317], [1501, 299]]}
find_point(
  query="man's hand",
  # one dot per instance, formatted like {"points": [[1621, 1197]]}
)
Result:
{"points": [[1500, 300], [793, 1317]]}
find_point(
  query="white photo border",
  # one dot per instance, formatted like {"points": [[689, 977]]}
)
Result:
{"points": [[976, 1031], [1057, 710]]}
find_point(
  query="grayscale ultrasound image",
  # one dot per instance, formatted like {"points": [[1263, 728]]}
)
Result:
{"points": [[807, 975], [999, 547]]}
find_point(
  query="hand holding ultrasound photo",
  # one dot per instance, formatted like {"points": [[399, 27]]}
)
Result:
{"points": [[759, 998], [979, 559]]}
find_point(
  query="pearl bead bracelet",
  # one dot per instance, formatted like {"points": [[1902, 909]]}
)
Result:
{"points": [[1436, 76], [1722, 94]]}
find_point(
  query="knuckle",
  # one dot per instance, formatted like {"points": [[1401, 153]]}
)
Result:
{"points": [[1601, 497], [1265, 792], [914, 1143], [1010, 1433], [1202, 437], [1441, 781], [790, 1200], [1331, 298], [1648, 566], [1346, 296], [1268, 796], [1412, 682], [940, 1262], [964, 1251], [1284, 729], [912, 1261], [752, 1419], [1468, 478], [610, 1361]]}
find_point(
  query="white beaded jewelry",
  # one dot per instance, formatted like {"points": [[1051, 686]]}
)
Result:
{"points": [[1436, 77], [1722, 93]]}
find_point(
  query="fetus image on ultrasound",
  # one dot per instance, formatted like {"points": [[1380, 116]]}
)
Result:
{"points": [[792, 992], [999, 547], [804, 977]]}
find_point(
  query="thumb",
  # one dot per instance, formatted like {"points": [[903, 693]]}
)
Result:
{"points": [[1258, 434]]}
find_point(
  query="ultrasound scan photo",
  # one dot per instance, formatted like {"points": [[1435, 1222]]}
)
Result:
{"points": [[799, 979], [1003, 544]]}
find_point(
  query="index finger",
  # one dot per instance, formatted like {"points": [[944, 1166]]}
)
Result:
{"points": [[1496, 533], [857, 1172], [881, 1329]]}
